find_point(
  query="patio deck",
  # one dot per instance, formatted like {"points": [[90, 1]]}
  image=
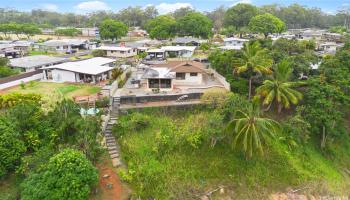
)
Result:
{"points": [[129, 89]]}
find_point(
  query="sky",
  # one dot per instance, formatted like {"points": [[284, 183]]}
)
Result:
{"points": [[163, 6]]}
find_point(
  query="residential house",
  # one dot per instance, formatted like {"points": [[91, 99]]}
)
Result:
{"points": [[33, 63], [186, 41], [328, 47], [179, 51], [236, 42], [14, 49], [92, 70], [155, 54], [174, 74], [173, 77], [332, 37], [66, 45], [311, 34], [139, 46], [137, 32], [90, 32], [119, 52]]}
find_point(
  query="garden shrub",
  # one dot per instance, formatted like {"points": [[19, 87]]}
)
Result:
{"points": [[68, 175], [99, 53], [12, 99], [214, 96], [139, 121], [102, 103], [11, 147]]}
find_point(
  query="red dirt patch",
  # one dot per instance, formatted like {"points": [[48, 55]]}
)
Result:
{"points": [[116, 192]]}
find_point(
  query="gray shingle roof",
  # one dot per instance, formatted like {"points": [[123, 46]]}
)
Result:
{"points": [[35, 61]]}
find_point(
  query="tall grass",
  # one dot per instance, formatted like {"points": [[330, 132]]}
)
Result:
{"points": [[169, 156]]}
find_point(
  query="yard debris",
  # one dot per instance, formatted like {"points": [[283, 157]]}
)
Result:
{"points": [[109, 185], [106, 176]]}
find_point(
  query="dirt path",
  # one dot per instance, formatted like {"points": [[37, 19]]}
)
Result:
{"points": [[110, 186]]}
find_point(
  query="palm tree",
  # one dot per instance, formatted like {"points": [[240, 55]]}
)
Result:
{"points": [[254, 61], [279, 88], [250, 129]]}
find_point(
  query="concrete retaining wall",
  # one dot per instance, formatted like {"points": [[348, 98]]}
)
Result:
{"points": [[18, 79]]}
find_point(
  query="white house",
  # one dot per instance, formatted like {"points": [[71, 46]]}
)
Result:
{"points": [[66, 45], [119, 52], [179, 51], [186, 41], [32, 63], [329, 47], [174, 74], [90, 32], [14, 49], [92, 70], [155, 54], [236, 42]]}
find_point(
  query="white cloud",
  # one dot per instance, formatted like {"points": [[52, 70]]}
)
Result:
{"points": [[92, 6], [164, 8], [241, 1], [49, 7]]}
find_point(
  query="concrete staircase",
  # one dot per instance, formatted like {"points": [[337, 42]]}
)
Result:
{"points": [[111, 143]]}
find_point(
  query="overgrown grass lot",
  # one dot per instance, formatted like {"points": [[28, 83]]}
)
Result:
{"points": [[45, 88], [184, 153]]}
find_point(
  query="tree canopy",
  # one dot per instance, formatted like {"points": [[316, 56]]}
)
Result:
{"points": [[161, 27], [112, 29], [195, 24], [266, 24], [68, 175], [240, 15]]}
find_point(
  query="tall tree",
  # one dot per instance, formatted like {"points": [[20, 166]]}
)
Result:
{"points": [[30, 30], [112, 29], [324, 109], [240, 15], [195, 24], [254, 61], [182, 12], [161, 27], [279, 89], [217, 16], [266, 24]]}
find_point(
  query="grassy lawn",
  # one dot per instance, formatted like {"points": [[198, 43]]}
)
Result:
{"points": [[169, 156], [44, 88], [35, 53]]}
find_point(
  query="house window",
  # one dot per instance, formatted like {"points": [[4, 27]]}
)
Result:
{"points": [[193, 74], [153, 83], [165, 83], [180, 76]]}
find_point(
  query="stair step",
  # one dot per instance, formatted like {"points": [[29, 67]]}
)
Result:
{"points": [[116, 155], [112, 148], [111, 139], [116, 162], [110, 144], [113, 152]]}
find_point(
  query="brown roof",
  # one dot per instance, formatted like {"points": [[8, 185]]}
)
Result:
{"points": [[183, 66]]}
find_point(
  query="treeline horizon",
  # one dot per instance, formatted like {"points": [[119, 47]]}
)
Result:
{"points": [[294, 15]]}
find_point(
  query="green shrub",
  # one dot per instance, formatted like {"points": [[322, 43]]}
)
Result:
{"points": [[11, 147], [68, 175], [23, 86], [102, 103], [99, 53]]}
